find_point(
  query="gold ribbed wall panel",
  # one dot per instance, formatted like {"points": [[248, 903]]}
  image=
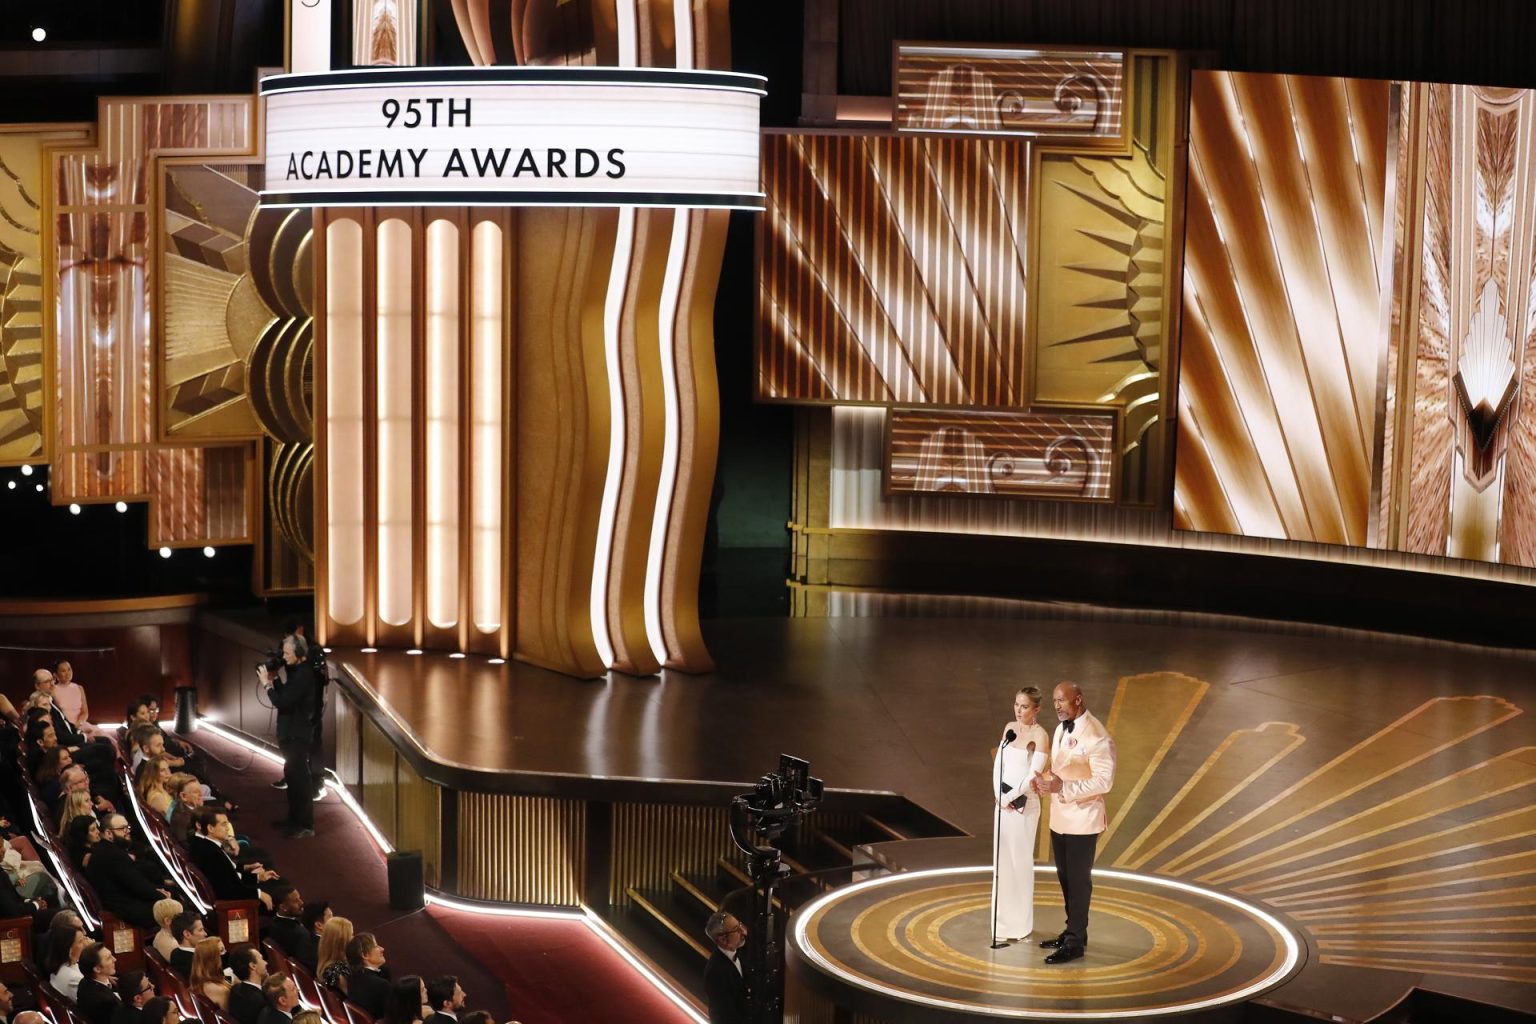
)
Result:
{"points": [[650, 841], [379, 779], [521, 849], [349, 745], [420, 821]]}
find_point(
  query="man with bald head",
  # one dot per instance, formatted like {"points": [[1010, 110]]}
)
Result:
{"points": [[1082, 770]]}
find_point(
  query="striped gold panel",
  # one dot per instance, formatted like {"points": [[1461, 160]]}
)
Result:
{"points": [[521, 849], [349, 745], [1282, 307], [201, 496], [893, 270], [802, 1005], [380, 780], [101, 232], [420, 820], [1023, 454], [385, 33], [650, 841], [1009, 90], [26, 402]]}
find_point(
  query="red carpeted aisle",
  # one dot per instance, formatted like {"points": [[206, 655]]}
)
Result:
{"points": [[559, 972], [533, 970]]}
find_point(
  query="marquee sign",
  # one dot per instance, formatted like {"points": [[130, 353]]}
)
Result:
{"points": [[513, 136]]}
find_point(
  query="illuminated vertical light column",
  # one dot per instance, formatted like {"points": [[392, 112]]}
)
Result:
{"points": [[440, 460], [344, 559], [487, 425], [394, 380]]}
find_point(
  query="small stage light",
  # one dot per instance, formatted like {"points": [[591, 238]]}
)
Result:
{"points": [[165, 552], [498, 661], [208, 552], [369, 650], [327, 650], [456, 654], [74, 509], [39, 34], [26, 470], [414, 651], [39, 488], [121, 506]]}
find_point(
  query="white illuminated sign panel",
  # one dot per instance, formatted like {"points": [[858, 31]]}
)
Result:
{"points": [[564, 136]]}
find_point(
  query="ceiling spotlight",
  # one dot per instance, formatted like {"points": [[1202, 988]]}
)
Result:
{"points": [[414, 651], [208, 552], [26, 470], [456, 654], [74, 509], [121, 506], [39, 488], [369, 650], [498, 661], [165, 552], [327, 650], [39, 34]]}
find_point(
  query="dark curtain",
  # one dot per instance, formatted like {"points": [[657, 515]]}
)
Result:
{"points": [[1476, 41]]}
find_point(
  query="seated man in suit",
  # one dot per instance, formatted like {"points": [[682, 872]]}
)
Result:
{"points": [[446, 999], [724, 985], [117, 879], [189, 930], [368, 984], [209, 851], [250, 969], [134, 989], [282, 999], [96, 997], [287, 929]]}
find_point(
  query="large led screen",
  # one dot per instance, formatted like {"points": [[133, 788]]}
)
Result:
{"points": [[1359, 315]]}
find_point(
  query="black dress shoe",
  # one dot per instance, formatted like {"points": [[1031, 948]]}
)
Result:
{"points": [[1064, 954], [1053, 943], [304, 832]]}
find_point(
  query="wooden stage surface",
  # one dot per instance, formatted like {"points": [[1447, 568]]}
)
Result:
{"points": [[1377, 792]]}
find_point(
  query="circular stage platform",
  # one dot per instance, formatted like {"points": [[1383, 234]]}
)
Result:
{"points": [[915, 946]]}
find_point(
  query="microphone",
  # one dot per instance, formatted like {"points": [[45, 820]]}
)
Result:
{"points": [[1009, 737]]}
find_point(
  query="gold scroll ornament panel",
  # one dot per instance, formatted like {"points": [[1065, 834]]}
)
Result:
{"points": [[1355, 371], [25, 400]]}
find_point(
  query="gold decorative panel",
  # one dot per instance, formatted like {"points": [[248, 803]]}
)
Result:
{"points": [[1282, 306], [1100, 313], [1036, 455], [521, 849], [893, 270], [1009, 90], [25, 402], [650, 841], [385, 32], [101, 229]]}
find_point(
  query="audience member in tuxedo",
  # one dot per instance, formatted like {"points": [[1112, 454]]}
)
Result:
{"points": [[186, 800], [446, 999], [287, 929], [80, 840], [165, 912], [724, 986], [63, 962], [160, 1010], [116, 878], [367, 985], [6, 1000], [189, 931], [212, 858], [315, 917], [208, 972], [134, 989], [250, 969], [407, 1002], [282, 998], [145, 710], [98, 758], [332, 968], [97, 997]]}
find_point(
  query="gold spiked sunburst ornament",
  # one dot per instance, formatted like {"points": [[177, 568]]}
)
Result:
{"points": [[1485, 383]]}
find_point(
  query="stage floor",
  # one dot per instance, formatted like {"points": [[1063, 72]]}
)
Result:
{"points": [[1377, 792]]}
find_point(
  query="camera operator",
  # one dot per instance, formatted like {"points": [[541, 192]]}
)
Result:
{"points": [[292, 692], [295, 627]]}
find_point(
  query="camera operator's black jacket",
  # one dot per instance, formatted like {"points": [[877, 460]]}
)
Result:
{"points": [[295, 703]]}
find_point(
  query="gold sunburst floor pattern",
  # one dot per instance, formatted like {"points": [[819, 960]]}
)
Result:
{"points": [[1158, 948]]}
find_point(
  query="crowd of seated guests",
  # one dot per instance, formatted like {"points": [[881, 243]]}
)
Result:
{"points": [[73, 770]]}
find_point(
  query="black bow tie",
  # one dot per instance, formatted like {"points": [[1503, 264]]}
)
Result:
{"points": [[1068, 724]]}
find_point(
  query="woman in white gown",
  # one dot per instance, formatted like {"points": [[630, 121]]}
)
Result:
{"points": [[1013, 877]]}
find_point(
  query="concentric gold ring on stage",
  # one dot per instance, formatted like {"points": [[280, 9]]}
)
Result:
{"points": [[920, 941]]}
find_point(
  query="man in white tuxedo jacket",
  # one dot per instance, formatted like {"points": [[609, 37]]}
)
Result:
{"points": [[1082, 771]]}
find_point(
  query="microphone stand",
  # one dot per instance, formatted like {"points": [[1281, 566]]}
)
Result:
{"points": [[997, 836]]}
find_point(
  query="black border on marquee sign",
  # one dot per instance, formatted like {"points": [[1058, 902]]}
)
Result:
{"points": [[514, 76], [513, 197]]}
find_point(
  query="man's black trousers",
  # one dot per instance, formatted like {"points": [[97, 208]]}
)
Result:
{"points": [[1074, 870], [296, 773]]}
